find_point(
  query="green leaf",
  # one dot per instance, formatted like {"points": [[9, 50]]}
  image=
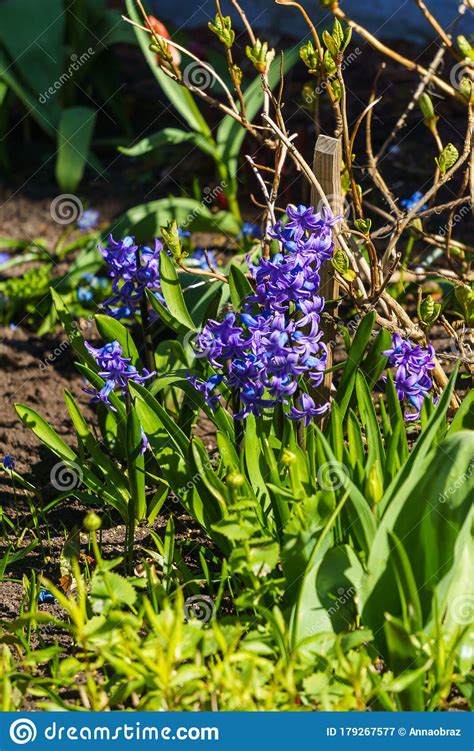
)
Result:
{"points": [[240, 287], [154, 418], [447, 158], [110, 590], [426, 512], [44, 432], [403, 661], [180, 97], [464, 417], [111, 474], [354, 357], [112, 330], [412, 615], [423, 444], [144, 221], [170, 137], [168, 553], [172, 292], [136, 466], [375, 450], [26, 28], [76, 127], [308, 616], [208, 476], [361, 518]]}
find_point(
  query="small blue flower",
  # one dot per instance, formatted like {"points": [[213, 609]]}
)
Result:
{"points": [[89, 219], [99, 282], [410, 203], [84, 294], [250, 230], [9, 462], [198, 260], [4, 258], [45, 597], [183, 233]]}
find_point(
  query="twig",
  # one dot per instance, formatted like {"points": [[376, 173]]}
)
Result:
{"points": [[436, 62], [409, 64], [204, 65], [435, 24]]}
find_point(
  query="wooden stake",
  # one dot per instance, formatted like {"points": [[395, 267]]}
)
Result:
{"points": [[327, 167]]}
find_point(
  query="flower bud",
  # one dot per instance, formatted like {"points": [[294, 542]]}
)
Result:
{"points": [[92, 522], [235, 480], [288, 458], [260, 55]]}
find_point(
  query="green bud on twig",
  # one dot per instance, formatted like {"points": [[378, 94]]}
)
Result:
{"points": [[427, 110], [222, 28], [260, 55], [428, 311], [465, 47], [171, 237], [363, 225], [447, 158], [160, 48], [340, 262], [238, 75], [310, 57]]}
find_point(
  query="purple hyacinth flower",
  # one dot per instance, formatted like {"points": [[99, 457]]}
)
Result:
{"points": [[301, 219], [262, 352], [412, 381], [307, 410], [116, 371]]}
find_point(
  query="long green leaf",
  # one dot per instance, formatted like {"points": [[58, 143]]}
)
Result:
{"points": [[76, 127], [354, 357], [181, 99], [169, 137], [172, 292]]}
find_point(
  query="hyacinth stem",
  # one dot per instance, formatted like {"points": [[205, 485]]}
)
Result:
{"points": [[238, 424], [147, 340], [130, 527]]}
